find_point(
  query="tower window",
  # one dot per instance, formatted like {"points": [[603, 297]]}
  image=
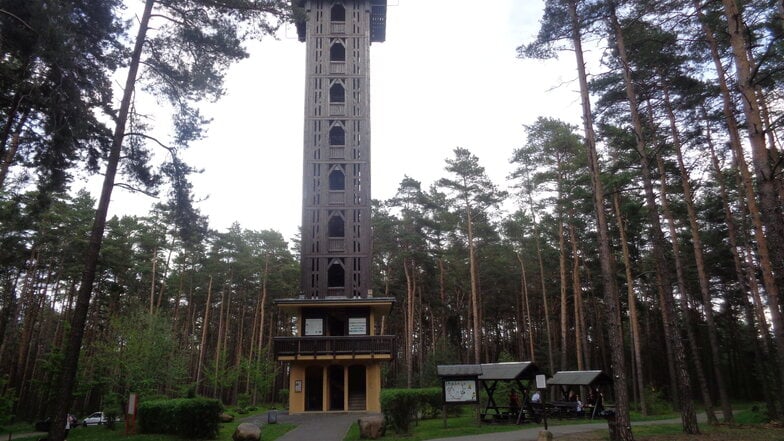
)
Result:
{"points": [[337, 180], [337, 52], [338, 13], [337, 136], [336, 275], [336, 227], [337, 94]]}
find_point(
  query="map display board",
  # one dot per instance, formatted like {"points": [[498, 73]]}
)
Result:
{"points": [[314, 326], [460, 391]]}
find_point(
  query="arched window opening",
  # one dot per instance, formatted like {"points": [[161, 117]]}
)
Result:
{"points": [[337, 227], [336, 276], [338, 13], [337, 52], [337, 136], [337, 180], [337, 94]]}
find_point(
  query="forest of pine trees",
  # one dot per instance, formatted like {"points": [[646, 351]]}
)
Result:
{"points": [[647, 242]]}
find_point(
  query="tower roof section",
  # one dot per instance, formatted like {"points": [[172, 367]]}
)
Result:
{"points": [[378, 21]]}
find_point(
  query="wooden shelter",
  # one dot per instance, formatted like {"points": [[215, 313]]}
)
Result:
{"points": [[591, 380], [513, 373], [519, 375]]}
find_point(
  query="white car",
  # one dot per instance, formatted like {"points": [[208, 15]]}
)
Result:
{"points": [[95, 419]]}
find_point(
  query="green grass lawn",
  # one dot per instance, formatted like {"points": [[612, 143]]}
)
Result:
{"points": [[467, 425]]}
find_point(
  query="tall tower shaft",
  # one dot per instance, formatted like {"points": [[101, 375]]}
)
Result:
{"points": [[336, 235], [338, 342]]}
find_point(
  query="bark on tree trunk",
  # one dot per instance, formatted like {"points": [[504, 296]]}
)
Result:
{"points": [[71, 359]]}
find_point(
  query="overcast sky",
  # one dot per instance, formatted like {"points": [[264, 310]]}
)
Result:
{"points": [[446, 76]]}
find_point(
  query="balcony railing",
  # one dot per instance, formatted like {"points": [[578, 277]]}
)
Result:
{"points": [[344, 345]]}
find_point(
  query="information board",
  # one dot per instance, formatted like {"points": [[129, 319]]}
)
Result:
{"points": [[357, 326], [460, 391], [314, 326]]}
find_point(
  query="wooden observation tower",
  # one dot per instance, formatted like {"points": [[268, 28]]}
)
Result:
{"points": [[337, 349]]}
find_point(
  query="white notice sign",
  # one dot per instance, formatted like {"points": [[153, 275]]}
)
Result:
{"points": [[357, 326], [314, 326], [541, 382]]}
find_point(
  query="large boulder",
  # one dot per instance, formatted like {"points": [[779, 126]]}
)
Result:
{"points": [[371, 427], [247, 432]]}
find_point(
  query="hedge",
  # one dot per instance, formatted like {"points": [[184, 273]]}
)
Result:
{"points": [[192, 418], [402, 406]]}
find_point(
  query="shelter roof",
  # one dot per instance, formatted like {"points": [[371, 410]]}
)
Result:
{"points": [[459, 370], [518, 370], [579, 378]]}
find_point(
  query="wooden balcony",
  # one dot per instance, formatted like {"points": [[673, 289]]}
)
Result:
{"points": [[344, 347]]}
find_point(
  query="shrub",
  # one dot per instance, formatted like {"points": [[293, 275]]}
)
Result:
{"points": [[402, 406], [283, 396], [6, 403], [657, 403], [193, 418]]}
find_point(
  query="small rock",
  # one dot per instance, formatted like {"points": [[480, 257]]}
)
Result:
{"points": [[545, 435], [226, 418], [371, 427], [247, 432]]}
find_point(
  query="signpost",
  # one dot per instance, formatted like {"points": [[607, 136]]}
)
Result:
{"points": [[130, 414]]}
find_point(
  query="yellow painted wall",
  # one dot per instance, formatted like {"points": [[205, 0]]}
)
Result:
{"points": [[297, 399], [373, 387]]}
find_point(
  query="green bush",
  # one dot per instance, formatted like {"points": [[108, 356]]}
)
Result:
{"points": [[402, 406], [656, 402], [283, 396], [6, 403], [193, 418]]}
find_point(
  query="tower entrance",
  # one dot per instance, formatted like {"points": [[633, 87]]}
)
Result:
{"points": [[357, 387], [314, 389], [336, 388]]}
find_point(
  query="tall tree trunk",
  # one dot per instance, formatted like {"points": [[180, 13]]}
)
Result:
{"points": [[577, 296], [71, 360], [545, 303], [699, 258], [564, 307], [474, 286], [203, 344], [634, 321], [152, 280], [754, 328], [529, 324], [606, 259], [769, 204], [409, 321], [688, 415], [684, 295]]}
